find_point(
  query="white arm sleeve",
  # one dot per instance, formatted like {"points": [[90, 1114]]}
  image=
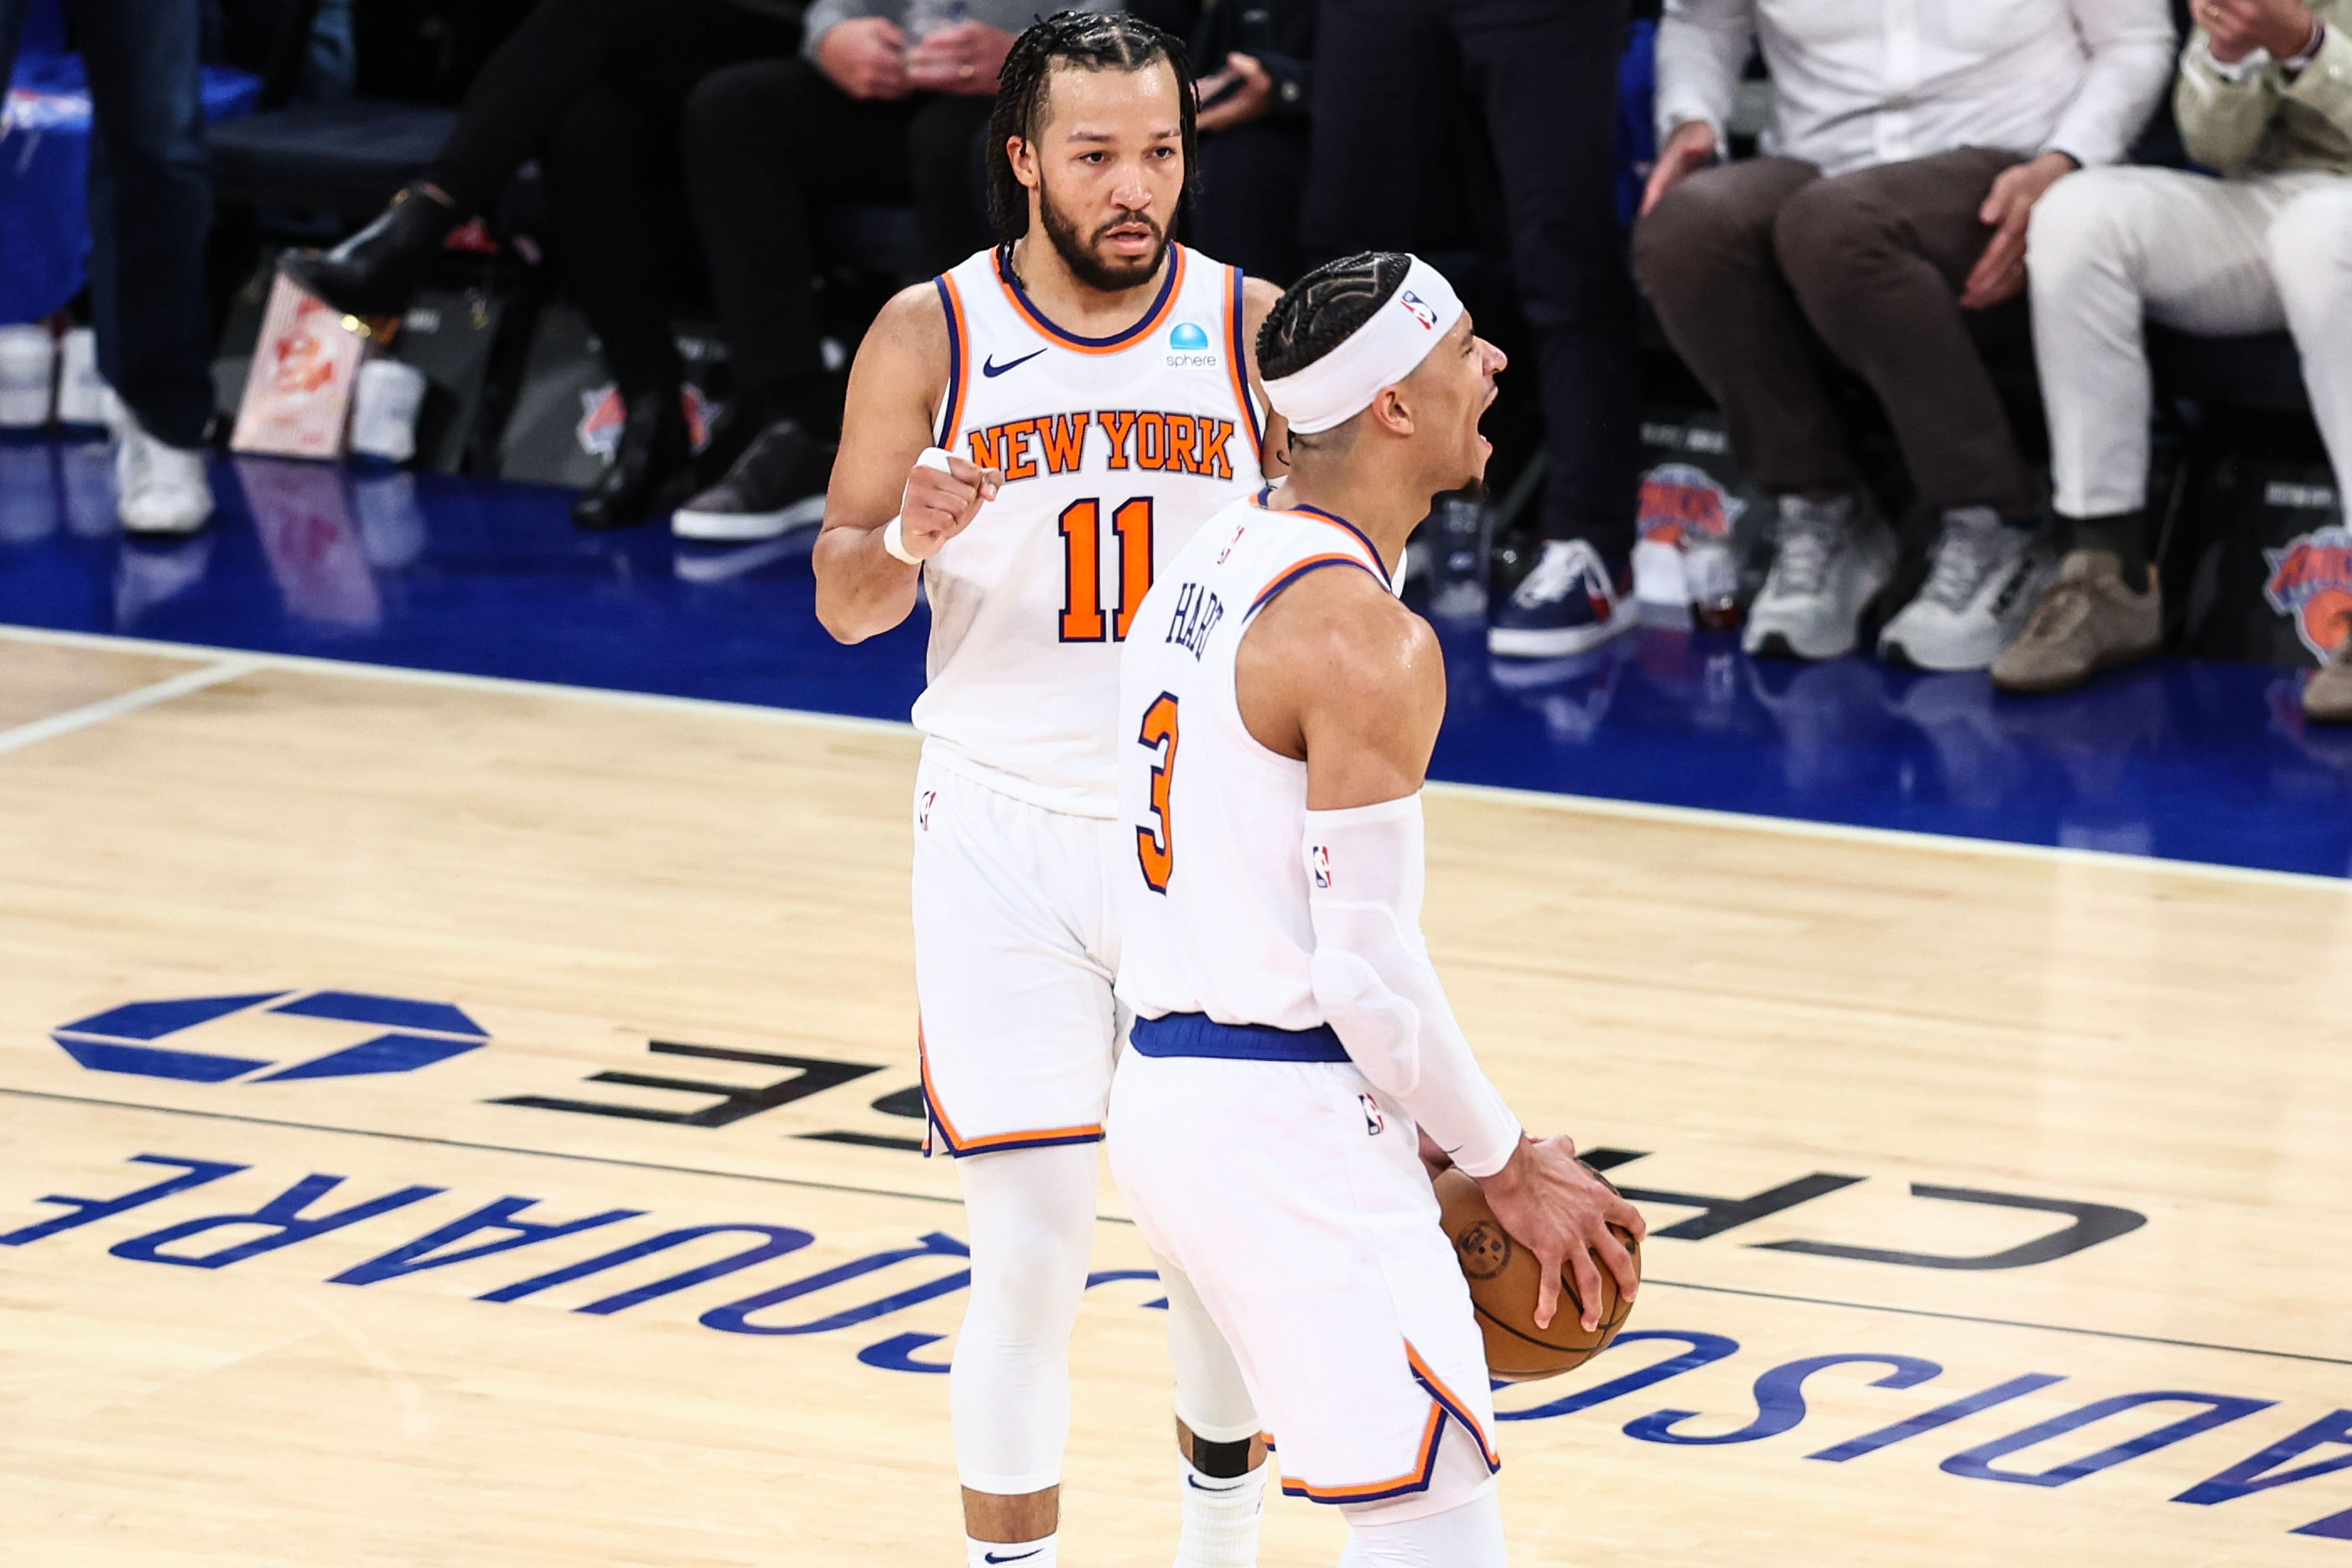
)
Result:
{"points": [[1377, 990]]}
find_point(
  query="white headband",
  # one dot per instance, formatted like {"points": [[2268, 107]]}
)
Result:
{"points": [[1380, 353]]}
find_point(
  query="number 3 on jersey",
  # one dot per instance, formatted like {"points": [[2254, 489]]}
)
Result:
{"points": [[1155, 846], [1082, 556]]}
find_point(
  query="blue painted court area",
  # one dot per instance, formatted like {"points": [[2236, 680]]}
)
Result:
{"points": [[2187, 760]]}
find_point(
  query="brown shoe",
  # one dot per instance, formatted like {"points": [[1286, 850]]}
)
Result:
{"points": [[2329, 698], [2088, 621]]}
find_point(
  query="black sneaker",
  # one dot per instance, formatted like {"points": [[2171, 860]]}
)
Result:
{"points": [[776, 486]]}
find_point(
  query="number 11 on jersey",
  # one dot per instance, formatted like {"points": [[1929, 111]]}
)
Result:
{"points": [[1082, 553], [1155, 846]]}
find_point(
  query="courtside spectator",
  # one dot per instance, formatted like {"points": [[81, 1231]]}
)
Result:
{"points": [[890, 103], [1907, 148], [1257, 73], [150, 205], [1389, 75], [593, 89], [2264, 96]]}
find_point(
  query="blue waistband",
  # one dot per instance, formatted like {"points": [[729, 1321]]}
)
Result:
{"points": [[1198, 1035]]}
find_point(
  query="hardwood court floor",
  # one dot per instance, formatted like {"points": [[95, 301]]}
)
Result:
{"points": [[1812, 1022]]}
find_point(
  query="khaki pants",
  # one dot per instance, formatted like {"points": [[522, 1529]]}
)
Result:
{"points": [[1757, 266], [2111, 248]]}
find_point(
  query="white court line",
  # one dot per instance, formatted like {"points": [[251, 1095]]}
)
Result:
{"points": [[99, 712], [1580, 804]]}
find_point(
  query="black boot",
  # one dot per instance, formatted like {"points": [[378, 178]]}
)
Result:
{"points": [[375, 272], [652, 454]]}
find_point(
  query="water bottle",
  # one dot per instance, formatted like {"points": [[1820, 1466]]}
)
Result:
{"points": [[925, 18], [82, 393], [385, 406], [1712, 573], [1460, 530], [28, 364]]}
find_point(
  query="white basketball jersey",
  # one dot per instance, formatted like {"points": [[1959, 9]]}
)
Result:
{"points": [[1213, 919], [1114, 451]]}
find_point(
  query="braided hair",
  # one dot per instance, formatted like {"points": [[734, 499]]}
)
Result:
{"points": [[1322, 309], [1089, 40]]}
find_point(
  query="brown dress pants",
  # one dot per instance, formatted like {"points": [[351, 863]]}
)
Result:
{"points": [[1756, 266]]}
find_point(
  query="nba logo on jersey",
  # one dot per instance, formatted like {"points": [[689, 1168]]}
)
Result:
{"points": [[923, 815], [1374, 1122], [1419, 312], [1319, 863]]}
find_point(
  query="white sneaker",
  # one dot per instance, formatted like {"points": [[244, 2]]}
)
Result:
{"points": [[1983, 584], [158, 489], [1832, 558]]}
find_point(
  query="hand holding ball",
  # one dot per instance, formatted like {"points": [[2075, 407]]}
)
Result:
{"points": [[1506, 1281]]}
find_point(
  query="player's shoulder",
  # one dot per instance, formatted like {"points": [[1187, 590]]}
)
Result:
{"points": [[913, 319], [1346, 624], [908, 351], [1258, 299]]}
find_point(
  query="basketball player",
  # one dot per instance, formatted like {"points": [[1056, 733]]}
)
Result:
{"points": [[1086, 394], [1292, 1043]]}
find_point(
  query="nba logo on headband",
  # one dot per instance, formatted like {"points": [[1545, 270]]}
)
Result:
{"points": [[1380, 352]]}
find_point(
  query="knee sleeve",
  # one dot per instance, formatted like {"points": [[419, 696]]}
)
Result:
{"points": [[1459, 1481], [1467, 1536], [1211, 1397], [1031, 1214]]}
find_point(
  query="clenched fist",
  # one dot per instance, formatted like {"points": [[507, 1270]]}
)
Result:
{"points": [[941, 501]]}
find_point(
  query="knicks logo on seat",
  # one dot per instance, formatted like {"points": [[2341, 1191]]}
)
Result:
{"points": [[2311, 581]]}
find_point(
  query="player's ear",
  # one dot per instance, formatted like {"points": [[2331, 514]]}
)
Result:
{"points": [[1023, 162], [1392, 412]]}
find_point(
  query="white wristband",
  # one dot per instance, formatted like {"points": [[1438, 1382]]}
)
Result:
{"points": [[894, 532]]}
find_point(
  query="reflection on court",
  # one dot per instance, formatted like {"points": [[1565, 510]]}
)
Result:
{"points": [[450, 1122]]}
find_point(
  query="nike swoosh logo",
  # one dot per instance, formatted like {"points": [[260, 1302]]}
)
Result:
{"points": [[1197, 1486], [991, 368], [1024, 1557]]}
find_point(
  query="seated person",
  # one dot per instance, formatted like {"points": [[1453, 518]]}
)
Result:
{"points": [[592, 88], [2263, 95], [1904, 156], [867, 115], [151, 201], [1256, 88]]}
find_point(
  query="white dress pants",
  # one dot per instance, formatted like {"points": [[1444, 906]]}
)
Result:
{"points": [[2112, 248]]}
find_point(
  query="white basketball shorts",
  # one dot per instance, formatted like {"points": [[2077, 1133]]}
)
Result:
{"points": [[1015, 949], [1294, 1201]]}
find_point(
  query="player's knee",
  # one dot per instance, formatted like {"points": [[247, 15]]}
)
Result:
{"points": [[1469, 1535], [1031, 1224]]}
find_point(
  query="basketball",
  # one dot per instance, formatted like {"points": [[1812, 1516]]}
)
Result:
{"points": [[1503, 1276]]}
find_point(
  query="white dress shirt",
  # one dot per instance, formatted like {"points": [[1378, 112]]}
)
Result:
{"points": [[1858, 83]]}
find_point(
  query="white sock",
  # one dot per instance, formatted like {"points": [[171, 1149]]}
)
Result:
{"points": [[1221, 1515], [996, 1554]]}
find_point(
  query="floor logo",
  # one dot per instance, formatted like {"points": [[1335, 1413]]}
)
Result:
{"points": [[161, 1039]]}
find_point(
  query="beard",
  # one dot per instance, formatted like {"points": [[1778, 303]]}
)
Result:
{"points": [[1087, 263]]}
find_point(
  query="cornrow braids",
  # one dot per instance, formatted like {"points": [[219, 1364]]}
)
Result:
{"points": [[1089, 40], [1317, 313]]}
